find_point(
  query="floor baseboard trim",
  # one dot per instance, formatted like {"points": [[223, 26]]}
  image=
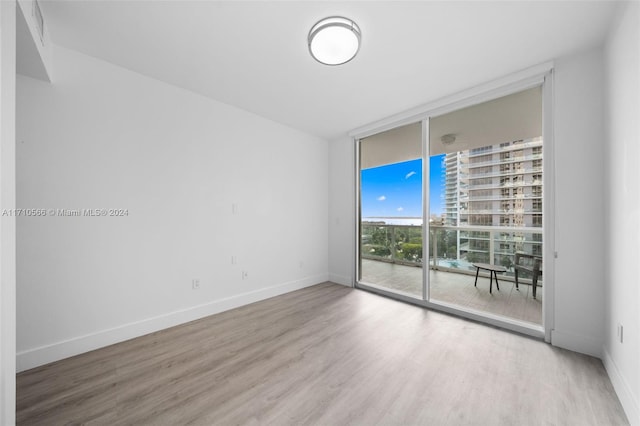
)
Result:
{"points": [[340, 279], [625, 395], [36, 357], [577, 343]]}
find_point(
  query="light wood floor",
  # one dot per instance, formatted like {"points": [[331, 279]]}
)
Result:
{"points": [[458, 289], [326, 355]]}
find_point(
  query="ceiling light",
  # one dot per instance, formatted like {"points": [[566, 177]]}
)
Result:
{"points": [[448, 139], [334, 40]]}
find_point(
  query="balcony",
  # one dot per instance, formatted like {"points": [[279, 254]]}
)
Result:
{"points": [[532, 143], [392, 258], [502, 173]]}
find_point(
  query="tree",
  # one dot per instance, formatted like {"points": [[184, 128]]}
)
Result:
{"points": [[412, 252]]}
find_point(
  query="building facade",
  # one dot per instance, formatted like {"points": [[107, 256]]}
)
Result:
{"points": [[497, 187]]}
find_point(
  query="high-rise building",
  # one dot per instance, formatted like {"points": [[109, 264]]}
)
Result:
{"points": [[495, 186], [452, 188]]}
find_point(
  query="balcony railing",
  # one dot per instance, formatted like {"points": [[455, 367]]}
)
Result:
{"points": [[514, 147], [452, 248], [507, 160], [502, 173], [392, 243]]}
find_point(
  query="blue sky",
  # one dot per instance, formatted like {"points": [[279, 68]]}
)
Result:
{"points": [[396, 189]]}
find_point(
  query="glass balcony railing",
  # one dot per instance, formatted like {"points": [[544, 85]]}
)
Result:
{"points": [[451, 248], [392, 243]]}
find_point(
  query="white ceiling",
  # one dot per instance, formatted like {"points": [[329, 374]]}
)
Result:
{"points": [[253, 55]]}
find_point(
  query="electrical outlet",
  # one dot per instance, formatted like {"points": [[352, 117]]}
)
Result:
{"points": [[245, 275], [195, 284]]}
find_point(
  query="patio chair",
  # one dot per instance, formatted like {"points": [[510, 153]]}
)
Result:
{"points": [[530, 263]]}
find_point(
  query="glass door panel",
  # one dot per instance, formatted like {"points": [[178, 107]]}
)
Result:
{"points": [[390, 238], [485, 207]]}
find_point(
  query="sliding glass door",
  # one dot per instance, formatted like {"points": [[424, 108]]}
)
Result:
{"points": [[478, 184]]}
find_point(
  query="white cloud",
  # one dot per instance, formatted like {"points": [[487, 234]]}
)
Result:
{"points": [[409, 175], [399, 209], [382, 198]]}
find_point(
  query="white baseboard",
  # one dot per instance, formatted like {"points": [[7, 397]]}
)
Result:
{"points": [[341, 279], [32, 358], [577, 343], [628, 400]]}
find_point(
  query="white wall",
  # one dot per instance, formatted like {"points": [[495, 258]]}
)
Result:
{"points": [[622, 58], [7, 223], [342, 211], [103, 137], [579, 233], [579, 211]]}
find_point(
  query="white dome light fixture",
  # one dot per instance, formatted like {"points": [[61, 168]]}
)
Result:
{"points": [[448, 139], [334, 40]]}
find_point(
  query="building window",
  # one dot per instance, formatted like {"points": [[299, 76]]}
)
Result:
{"points": [[480, 150], [481, 219], [537, 179], [481, 159], [504, 220], [478, 206], [481, 171], [537, 205], [537, 164], [537, 220], [480, 193], [505, 192], [482, 181]]}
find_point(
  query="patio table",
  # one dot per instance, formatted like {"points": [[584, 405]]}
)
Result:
{"points": [[493, 270]]}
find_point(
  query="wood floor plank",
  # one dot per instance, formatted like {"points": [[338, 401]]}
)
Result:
{"points": [[323, 355]]}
